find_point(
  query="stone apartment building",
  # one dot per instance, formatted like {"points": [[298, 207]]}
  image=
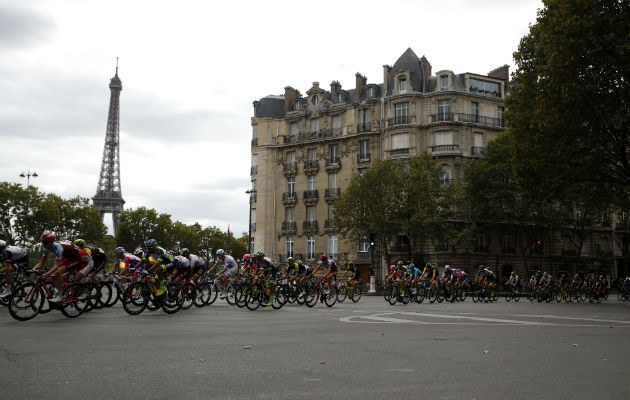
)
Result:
{"points": [[305, 149]]}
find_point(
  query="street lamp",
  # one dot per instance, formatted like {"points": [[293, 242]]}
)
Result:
{"points": [[28, 175], [249, 235]]}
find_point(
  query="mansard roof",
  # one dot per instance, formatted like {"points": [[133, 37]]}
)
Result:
{"points": [[270, 106], [408, 61]]}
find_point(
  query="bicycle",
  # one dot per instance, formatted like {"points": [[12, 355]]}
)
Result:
{"points": [[141, 295]]}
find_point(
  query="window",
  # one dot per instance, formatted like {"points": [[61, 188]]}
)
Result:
{"points": [[254, 163], [310, 247], [340, 97], [402, 84], [310, 213], [478, 140], [315, 100], [289, 246], [364, 149], [294, 128], [311, 183], [251, 245], [400, 141], [255, 132], [474, 108], [364, 244], [332, 246], [290, 157], [332, 181], [500, 111], [371, 92], [444, 82], [447, 174], [401, 113], [484, 88], [481, 244], [296, 105], [364, 115], [443, 138], [290, 185], [289, 214], [509, 244], [333, 152], [254, 184], [444, 110], [331, 209], [314, 126], [361, 171], [336, 125], [253, 220], [312, 155]]}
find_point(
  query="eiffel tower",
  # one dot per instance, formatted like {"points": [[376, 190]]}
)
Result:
{"points": [[108, 197]]}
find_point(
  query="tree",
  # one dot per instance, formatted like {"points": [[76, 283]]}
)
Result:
{"points": [[570, 112], [136, 226]]}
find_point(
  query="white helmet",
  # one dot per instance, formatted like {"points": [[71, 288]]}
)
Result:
{"points": [[220, 252], [3, 243]]}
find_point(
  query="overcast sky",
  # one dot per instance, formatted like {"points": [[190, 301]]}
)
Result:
{"points": [[190, 71]]}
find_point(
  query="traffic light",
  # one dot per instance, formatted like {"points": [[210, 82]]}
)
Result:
{"points": [[372, 240]]}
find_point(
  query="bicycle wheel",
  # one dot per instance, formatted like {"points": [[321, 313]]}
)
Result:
{"points": [[106, 294], [393, 295], [214, 292], [440, 294], [136, 298], [25, 301], [342, 293], [76, 299], [230, 294], [311, 295], [115, 294], [252, 299], [241, 295], [172, 298], [331, 296], [300, 295], [189, 293], [202, 295], [94, 297], [516, 295], [279, 298], [357, 292]]}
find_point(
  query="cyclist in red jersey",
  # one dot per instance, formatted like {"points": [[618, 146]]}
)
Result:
{"points": [[68, 258]]}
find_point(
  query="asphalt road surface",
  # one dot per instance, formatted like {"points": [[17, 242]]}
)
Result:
{"points": [[367, 350]]}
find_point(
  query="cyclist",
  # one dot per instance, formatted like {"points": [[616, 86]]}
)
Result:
{"points": [[355, 274], [430, 273], [331, 268], [197, 264], [125, 261], [292, 268], [68, 258], [228, 270], [97, 254], [12, 258], [448, 280], [513, 281], [488, 278], [161, 259], [268, 268]]}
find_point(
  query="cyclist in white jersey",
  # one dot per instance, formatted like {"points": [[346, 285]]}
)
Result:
{"points": [[11, 258]]}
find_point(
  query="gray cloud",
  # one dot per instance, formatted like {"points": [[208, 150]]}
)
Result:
{"points": [[23, 27]]}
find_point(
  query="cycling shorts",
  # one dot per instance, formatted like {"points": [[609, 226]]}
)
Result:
{"points": [[198, 270], [99, 265], [231, 271]]}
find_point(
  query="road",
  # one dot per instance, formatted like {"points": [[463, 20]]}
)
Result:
{"points": [[367, 350]]}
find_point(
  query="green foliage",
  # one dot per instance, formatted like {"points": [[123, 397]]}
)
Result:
{"points": [[570, 114]]}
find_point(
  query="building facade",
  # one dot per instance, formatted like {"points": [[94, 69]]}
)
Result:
{"points": [[306, 148]]}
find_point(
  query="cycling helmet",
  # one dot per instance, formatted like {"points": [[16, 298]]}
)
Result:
{"points": [[412, 265], [151, 243], [220, 252], [79, 243], [324, 257], [185, 252], [139, 253], [299, 262], [351, 263], [3, 244], [576, 275], [260, 255], [513, 273], [400, 263], [247, 257], [119, 250], [47, 237], [545, 273], [447, 267], [290, 259], [481, 266], [392, 267]]}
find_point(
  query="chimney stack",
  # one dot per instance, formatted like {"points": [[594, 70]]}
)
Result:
{"points": [[361, 81], [290, 95]]}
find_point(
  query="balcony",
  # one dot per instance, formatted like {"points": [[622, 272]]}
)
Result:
{"points": [[400, 120], [364, 127], [332, 194], [254, 142], [290, 169], [289, 227], [363, 157], [477, 151], [481, 120], [336, 131], [333, 164], [310, 196], [252, 197], [311, 167], [289, 198], [445, 149], [310, 227], [398, 151], [442, 117], [254, 170], [330, 227], [289, 139]]}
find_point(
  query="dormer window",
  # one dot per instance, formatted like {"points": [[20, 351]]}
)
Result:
{"points": [[340, 97], [296, 106], [315, 100], [402, 84], [444, 82], [370, 92]]}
